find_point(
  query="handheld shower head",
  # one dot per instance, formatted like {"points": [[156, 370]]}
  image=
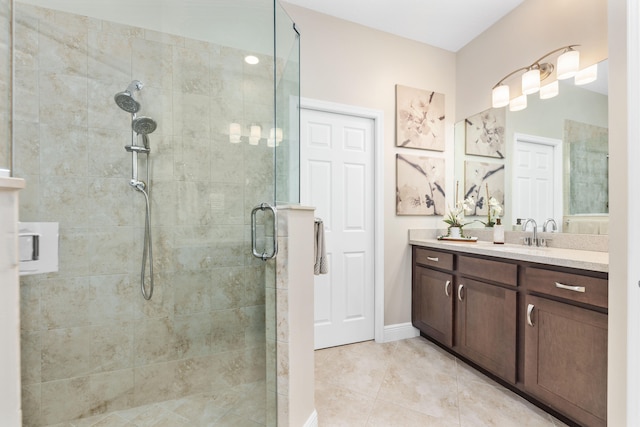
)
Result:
{"points": [[143, 125], [125, 99]]}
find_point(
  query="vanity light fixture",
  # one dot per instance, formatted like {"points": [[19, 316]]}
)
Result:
{"points": [[568, 64]]}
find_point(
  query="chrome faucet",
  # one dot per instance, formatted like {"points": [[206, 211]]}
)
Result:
{"points": [[528, 240], [552, 222]]}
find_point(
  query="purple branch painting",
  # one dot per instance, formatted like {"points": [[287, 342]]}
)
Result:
{"points": [[419, 185], [419, 119]]}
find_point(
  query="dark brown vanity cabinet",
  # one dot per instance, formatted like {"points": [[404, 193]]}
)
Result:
{"points": [[432, 301], [458, 305], [541, 329], [486, 308], [566, 343]]}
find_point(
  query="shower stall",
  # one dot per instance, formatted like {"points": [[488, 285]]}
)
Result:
{"points": [[205, 138]]}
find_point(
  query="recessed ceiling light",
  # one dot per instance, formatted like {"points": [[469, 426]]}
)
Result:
{"points": [[252, 60]]}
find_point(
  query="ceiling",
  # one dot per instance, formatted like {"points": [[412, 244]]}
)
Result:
{"points": [[447, 24]]}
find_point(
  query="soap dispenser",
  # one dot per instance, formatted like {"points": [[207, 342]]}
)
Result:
{"points": [[498, 233]]}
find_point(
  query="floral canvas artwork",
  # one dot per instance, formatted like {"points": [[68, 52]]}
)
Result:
{"points": [[479, 175], [484, 133], [419, 119], [419, 185]]}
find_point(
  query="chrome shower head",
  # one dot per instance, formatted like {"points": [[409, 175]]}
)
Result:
{"points": [[143, 125], [125, 99]]}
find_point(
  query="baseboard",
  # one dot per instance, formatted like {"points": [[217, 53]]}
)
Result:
{"points": [[313, 420], [399, 331]]}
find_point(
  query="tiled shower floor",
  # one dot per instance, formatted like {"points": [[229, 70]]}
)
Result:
{"points": [[238, 408]]}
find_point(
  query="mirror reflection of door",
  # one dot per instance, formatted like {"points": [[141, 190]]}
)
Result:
{"points": [[537, 179]]}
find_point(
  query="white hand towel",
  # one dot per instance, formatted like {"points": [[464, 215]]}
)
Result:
{"points": [[321, 265]]}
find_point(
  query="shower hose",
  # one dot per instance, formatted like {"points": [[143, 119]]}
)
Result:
{"points": [[147, 239]]}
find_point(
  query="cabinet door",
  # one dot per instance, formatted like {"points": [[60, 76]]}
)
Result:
{"points": [[486, 326], [432, 304], [566, 359]]}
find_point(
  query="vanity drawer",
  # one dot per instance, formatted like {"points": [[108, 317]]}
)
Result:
{"points": [[496, 271], [431, 258], [575, 287]]}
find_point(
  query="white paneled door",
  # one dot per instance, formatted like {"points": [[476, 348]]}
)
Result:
{"points": [[537, 180], [336, 176]]}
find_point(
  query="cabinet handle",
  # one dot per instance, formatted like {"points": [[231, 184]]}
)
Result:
{"points": [[433, 258], [446, 288], [529, 312], [570, 288], [460, 292]]}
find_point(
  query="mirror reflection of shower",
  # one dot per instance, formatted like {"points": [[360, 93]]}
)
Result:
{"points": [[141, 127]]}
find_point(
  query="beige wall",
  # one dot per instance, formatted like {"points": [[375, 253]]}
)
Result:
{"points": [[524, 35], [350, 64]]}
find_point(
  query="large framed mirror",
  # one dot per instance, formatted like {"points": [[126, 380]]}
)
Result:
{"points": [[554, 155]]}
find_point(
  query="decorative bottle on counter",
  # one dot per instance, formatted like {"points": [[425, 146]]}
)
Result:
{"points": [[498, 233]]}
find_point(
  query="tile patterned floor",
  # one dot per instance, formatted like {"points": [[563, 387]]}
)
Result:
{"points": [[413, 383], [399, 384], [243, 406]]}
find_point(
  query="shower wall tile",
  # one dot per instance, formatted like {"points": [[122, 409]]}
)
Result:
{"points": [[154, 341], [191, 113], [56, 87], [155, 383], [226, 288], [227, 330], [110, 391], [58, 295], [31, 401], [122, 29], [254, 285], [226, 201], [192, 160], [165, 38], [110, 250], [30, 349], [25, 42], [254, 331], [65, 353], [109, 56], [73, 253], [162, 303], [103, 113], [227, 163], [27, 150], [64, 200], [62, 47], [164, 203], [191, 69], [162, 167], [157, 102], [68, 159], [193, 335], [110, 201], [30, 314], [27, 90], [65, 399], [106, 149]]}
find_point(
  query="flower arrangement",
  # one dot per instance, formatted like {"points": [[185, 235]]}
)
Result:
{"points": [[455, 217], [494, 210]]}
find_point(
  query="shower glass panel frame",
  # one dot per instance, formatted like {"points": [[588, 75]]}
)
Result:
{"points": [[201, 351]]}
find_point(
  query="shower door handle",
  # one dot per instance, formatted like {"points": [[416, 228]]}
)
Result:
{"points": [[264, 255]]}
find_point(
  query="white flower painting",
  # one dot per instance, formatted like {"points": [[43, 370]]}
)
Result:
{"points": [[476, 177], [484, 133], [419, 119], [419, 185]]}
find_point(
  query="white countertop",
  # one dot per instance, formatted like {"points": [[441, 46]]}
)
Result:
{"points": [[573, 258]]}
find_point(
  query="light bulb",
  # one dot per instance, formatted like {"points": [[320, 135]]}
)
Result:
{"points": [[588, 75], [531, 81], [550, 90], [568, 64], [518, 103], [235, 132], [500, 96]]}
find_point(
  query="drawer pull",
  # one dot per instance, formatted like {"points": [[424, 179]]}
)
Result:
{"points": [[433, 258], [530, 308], [460, 292], [570, 288], [446, 288]]}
